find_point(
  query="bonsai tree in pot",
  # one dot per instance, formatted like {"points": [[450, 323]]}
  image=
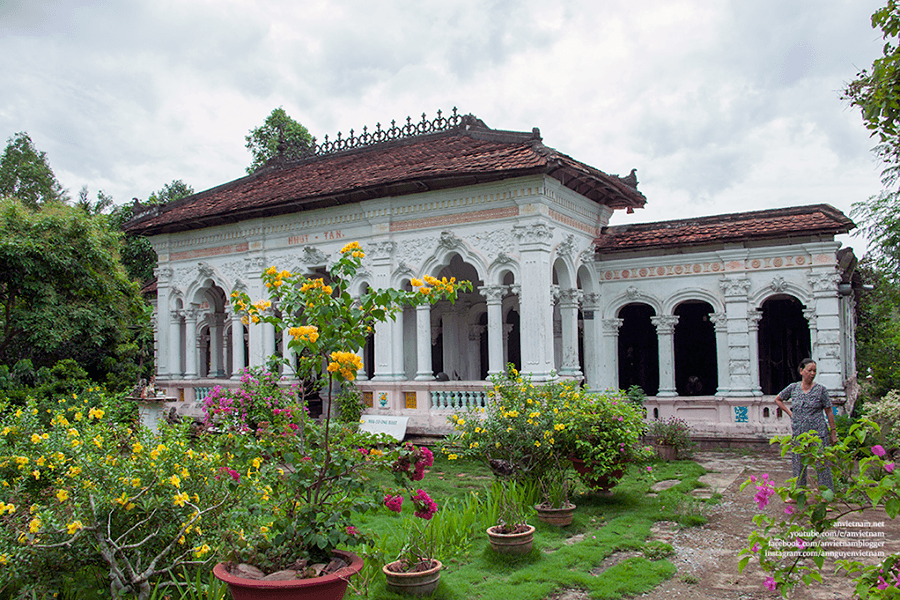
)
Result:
{"points": [[314, 471], [601, 434]]}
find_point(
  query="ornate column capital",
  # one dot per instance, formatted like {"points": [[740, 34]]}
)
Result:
{"points": [[665, 323], [824, 283], [719, 320], [735, 289], [591, 300], [611, 326], [570, 298], [381, 251], [493, 294], [536, 235]]}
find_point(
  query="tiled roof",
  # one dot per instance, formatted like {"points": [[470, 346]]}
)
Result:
{"points": [[798, 221], [467, 155]]}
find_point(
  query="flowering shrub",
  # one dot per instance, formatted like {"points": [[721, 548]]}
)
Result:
{"points": [[886, 413], [83, 491], [805, 526], [673, 432], [258, 402], [315, 471], [604, 430], [517, 434]]}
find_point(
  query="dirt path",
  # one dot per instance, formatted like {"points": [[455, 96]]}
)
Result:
{"points": [[709, 554]]}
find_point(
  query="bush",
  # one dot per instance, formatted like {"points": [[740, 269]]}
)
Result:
{"points": [[672, 432], [886, 412]]}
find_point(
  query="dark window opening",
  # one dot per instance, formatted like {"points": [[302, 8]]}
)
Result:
{"points": [[696, 372], [638, 349], [783, 342]]}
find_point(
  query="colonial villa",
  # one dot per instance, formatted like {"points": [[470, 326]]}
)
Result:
{"points": [[709, 316]]}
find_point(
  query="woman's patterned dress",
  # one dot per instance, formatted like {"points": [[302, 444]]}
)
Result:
{"points": [[807, 410]]}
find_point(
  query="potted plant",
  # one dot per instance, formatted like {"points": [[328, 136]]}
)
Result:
{"points": [[517, 433], [415, 571], [511, 534], [314, 470], [602, 433], [672, 437], [555, 508]]}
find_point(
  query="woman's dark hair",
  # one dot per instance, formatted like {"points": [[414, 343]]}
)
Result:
{"points": [[805, 362]]}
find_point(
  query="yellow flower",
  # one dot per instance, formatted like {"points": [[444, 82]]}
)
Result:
{"points": [[4, 508], [416, 282], [79, 415], [180, 499], [256, 462], [452, 457], [73, 471], [36, 473], [4, 559], [62, 495], [35, 438], [35, 525], [271, 271], [98, 441], [264, 529], [95, 413], [350, 247], [137, 448], [40, 461], [74, 526], [537, 444], [201, 551], [175, 480]]}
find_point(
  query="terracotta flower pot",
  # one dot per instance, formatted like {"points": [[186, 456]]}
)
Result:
{"points": [[421, 583], [667, 451], [561, 517], [328, 587], [602, 484], [511, 543]]}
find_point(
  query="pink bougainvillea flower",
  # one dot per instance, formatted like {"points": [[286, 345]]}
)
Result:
{"points": [[889, 467], [800, 543], [425, 506], [394, 503], [878, 450], [351, 530], [770, 584], [755, 548], [649, 469], [788, 510]]}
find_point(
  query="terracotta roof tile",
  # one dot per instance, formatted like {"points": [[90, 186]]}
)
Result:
{"points": [[453, 158], [796, 221]]}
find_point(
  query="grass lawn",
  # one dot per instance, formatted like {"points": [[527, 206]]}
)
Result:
{"points": [[562, 557]]}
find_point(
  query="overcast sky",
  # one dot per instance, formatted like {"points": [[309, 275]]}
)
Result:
{"points": [[721, 105]]}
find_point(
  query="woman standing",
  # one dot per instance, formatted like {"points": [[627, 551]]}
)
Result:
{"points": [[810, 406]]}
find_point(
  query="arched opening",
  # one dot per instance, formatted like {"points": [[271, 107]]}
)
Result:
{"points": [[696, 371], [638, 349], [452, 346], [783, 342]]}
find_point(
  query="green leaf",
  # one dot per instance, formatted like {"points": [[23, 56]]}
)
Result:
{"points": [[743, 563]]}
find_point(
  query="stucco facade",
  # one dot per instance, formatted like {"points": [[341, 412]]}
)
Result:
{"points": [[696, 321]]}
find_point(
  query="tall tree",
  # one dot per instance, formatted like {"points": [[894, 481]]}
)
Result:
{"points": [[63, 291], [279, 135], [25, 173], [878, 331], [876, 92]]}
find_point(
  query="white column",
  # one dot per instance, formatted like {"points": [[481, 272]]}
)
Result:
{"points": [[609, 353], [450, 329], [568, 313], [423, 343], [592, 367], [257, 348], [735, 290], [665, 333], [191, 340], [237, 346], [753, 318], [174, 358], [536, 316], [397, 350], [493, 295], [720, 322], [268, 338], [215, 344], [827, 348]]}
